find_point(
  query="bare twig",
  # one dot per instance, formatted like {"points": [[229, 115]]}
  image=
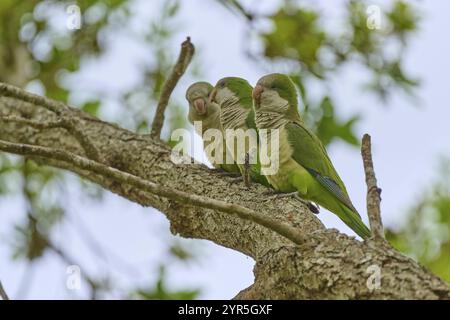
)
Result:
{"points": [[64, 122], [185, 57], [191, 199], [7, 90], [373, 192], [3, 294]]}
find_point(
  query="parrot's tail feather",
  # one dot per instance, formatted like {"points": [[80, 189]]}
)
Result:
{"points": [[353, 220]]}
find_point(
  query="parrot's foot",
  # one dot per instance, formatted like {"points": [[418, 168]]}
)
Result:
{"points": [[280, 195], [230, 174], [313, 207], [217, 170], [271, 192], [238, 179], [224, 173]]}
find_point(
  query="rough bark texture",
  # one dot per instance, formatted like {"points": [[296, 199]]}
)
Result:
{"points": [[329, 265]]}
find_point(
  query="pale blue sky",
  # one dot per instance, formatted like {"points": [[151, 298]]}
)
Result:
{"points": [[407, 138]]}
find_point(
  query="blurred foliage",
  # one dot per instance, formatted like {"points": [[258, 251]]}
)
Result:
{"points": [[160, 291], [425, 235], [297, 35], [43, 210], [178, 253], [315, 53], [41, 50]]}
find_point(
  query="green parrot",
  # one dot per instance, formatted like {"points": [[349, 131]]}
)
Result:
{"points": [[201, 109], [304, 165], [234, 96]]}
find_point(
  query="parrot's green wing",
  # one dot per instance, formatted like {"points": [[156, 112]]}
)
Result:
{"points": [[255, 170], [309, 152]]}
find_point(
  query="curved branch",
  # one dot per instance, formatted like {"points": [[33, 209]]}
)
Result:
{"points": [[373, 192], [7, 90], [185, 57], [326, 265], [146, 186]]}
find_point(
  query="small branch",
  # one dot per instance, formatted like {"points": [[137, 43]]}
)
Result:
{"points": [[281, 228], [373, 192], [67, 124], [3, 294], [185, 57], [7, 90]]}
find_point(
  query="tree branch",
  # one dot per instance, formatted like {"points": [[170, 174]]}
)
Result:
{"points": [[7, 90], [66, 123], [176, 195], [3, 294], [327, 265], [185, 57], [373, 192], [35, 124]]}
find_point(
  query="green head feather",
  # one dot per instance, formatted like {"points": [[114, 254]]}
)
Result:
{"points": [[239, 87], [282, 84]]}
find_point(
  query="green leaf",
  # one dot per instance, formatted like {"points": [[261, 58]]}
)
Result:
{"points": [[297, 35], [330, 128], [92, 107]]}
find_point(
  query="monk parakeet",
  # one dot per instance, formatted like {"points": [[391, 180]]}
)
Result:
{"points": [[234, 96], [201, 109], [304, 165]]}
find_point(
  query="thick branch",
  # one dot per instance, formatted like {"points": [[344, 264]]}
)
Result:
{"points": [[373, 192], [185, 57], [327, 265], [176, 195], [65, 123]]}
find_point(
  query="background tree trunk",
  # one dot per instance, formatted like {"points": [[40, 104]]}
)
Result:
{"points": [[327, 265]]}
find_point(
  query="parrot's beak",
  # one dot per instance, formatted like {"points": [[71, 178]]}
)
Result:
{"points": [[257, 91], [212, 95], [200, 106]]}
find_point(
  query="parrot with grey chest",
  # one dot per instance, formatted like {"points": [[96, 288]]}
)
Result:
{"points": [[234, 96], [201, 109], [304, 165]]}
